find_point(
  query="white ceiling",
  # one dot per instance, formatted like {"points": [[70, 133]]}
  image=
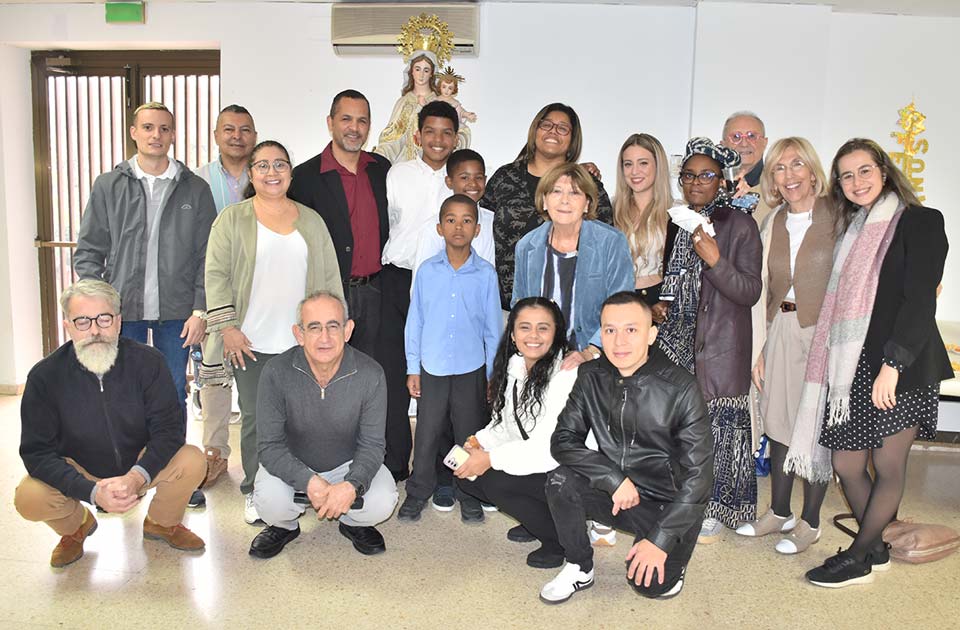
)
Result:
{"points": [[894, 7]]}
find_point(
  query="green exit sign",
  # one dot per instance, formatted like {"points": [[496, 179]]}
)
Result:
{"points": [[125, 12]]}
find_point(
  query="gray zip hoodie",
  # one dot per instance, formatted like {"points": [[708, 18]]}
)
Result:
{"points": [[302, 427], [112, 243]]}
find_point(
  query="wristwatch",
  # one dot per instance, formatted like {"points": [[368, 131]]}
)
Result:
{"points": [[594, 352], [357, 486]]}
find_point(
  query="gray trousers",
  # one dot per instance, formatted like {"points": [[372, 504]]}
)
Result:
{"points": [[273, 499]]}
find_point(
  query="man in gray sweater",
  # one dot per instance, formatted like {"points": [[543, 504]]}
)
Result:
{"points": [[321, 413]]}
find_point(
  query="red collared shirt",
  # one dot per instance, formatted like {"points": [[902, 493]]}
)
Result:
{"points": [[364, 216]]}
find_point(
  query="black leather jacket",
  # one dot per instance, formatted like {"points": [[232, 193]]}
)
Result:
{"points": [[652, 427]]}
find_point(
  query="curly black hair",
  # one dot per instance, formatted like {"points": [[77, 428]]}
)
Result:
{"points": [[531, 399]]}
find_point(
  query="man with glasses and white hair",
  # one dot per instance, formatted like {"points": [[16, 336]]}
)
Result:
{"points": [[745, 133], [321, 411], [101, 424]]}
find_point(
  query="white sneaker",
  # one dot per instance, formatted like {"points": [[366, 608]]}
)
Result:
{"points": [[250, 511], [570, 580], [489, 507], [709, 531], [673, 592], [601, 535]]}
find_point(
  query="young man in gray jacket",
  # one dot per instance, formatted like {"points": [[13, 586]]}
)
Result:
{"points": [[145, 231], [321, 412]]}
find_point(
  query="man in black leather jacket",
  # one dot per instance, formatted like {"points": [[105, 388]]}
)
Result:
{"points": [[652, 472]]}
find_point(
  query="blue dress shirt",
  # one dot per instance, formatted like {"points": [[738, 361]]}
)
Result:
{"points": [[454, 322]]}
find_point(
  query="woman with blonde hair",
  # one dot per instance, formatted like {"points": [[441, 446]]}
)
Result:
{"points": [[798, 240], [640, 207]]}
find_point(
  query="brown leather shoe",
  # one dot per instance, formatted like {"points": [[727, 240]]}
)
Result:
{"points": [[178, 536], [216, 466], [70, 548]]}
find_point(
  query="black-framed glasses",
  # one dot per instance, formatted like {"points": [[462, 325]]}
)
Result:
{"points": [[561, 128], [104, 320], [687, 177], [864, 172], [738, 138], [263, 166]]}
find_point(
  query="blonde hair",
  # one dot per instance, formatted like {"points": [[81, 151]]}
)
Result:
{"points": [[152, 105], [768, 188], [580, 179], [649, 231]]}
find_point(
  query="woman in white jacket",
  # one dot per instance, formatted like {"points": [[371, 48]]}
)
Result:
{"points": [[511, 455]]}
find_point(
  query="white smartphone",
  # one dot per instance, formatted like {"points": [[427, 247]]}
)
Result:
{"points": [[456, 457]]}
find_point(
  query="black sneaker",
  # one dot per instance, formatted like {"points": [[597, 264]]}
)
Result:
{"points": [[841, 570], [880, 557], [197, 499], [411, 509], [546, 557], [519, 534], [443, 499], [470, 511]]}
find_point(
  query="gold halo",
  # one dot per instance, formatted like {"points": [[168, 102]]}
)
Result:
{"points": [[425, 33]]}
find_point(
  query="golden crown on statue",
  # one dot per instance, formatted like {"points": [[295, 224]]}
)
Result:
{"points": [[425, 33]]}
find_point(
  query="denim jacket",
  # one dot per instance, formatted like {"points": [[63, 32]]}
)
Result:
{"points": [[604, 267]]}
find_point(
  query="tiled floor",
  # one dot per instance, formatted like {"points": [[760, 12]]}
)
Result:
{"points": [[442, 574]]}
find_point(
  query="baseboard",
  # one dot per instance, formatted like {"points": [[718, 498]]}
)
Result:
{"points": [[11, 390]]}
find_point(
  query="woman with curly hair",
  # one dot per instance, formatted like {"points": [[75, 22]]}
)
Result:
{"points": [[510, 457]]}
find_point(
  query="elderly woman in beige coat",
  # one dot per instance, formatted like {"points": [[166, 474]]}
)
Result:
{"points": [[264, 255], [798, 241]]}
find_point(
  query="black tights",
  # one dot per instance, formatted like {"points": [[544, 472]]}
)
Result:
{"points": [[781, 487], [874, 501]]}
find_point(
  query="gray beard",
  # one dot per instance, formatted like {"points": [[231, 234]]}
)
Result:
{"points": [[97, 355]]}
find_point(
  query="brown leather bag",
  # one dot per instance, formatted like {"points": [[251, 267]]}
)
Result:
{"points": [[911, 542], [920, 542]]}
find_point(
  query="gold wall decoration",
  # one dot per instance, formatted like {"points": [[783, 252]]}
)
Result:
{"points": [[912, 122]]}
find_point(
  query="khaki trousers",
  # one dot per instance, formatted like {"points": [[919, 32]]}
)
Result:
{"points": [[37, 501]]}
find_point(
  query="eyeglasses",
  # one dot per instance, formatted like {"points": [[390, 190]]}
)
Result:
{"points": [[104, 320], [561, 128], [334, 329], [705, 177], [738, 138], [263, 166], [795, 166], [864, 172]]}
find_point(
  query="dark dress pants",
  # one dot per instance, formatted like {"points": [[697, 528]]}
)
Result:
{"points": [[572, 501], [395, 301]]}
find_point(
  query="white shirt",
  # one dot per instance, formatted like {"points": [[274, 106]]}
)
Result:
{"points": [[279, 283], [414, 194], [151, 273], [430, 243], [797, 225]]}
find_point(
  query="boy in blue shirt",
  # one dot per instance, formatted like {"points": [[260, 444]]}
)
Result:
{"points": [[451, 336]]}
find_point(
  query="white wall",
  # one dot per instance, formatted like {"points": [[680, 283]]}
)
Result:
{"points": [[19, 287], [671, 71]]}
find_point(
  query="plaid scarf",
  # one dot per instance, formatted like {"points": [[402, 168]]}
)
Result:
{"points": [[840, 335]]}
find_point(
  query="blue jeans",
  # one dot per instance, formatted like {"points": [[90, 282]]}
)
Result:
{"points": [[166, 339]]}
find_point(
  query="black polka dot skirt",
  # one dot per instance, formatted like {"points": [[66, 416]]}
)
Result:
{"points": [[868, 425]]}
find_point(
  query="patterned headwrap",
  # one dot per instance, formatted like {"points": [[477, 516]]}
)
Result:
{"points": [[724, 156]]}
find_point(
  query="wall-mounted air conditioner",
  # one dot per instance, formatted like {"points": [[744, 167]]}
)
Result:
{"points": [[372, 29]]}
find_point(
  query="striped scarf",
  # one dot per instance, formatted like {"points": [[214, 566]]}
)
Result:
{"points": [[840, 334]]}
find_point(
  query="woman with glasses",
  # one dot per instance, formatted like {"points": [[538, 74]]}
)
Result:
{"points": [[710, 285], [264, 255], [554, 138], [573, 259], [640, 210], [873, 377], [798, 242]]}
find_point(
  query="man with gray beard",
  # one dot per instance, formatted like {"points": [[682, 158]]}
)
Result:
{"points": [[101, 423]]}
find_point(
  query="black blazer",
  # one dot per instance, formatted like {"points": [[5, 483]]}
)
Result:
{"points": [[903, 324], [324, 193]]}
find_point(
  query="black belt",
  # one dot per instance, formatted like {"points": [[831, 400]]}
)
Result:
{"points": [[360, 281], [788, 307]]}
